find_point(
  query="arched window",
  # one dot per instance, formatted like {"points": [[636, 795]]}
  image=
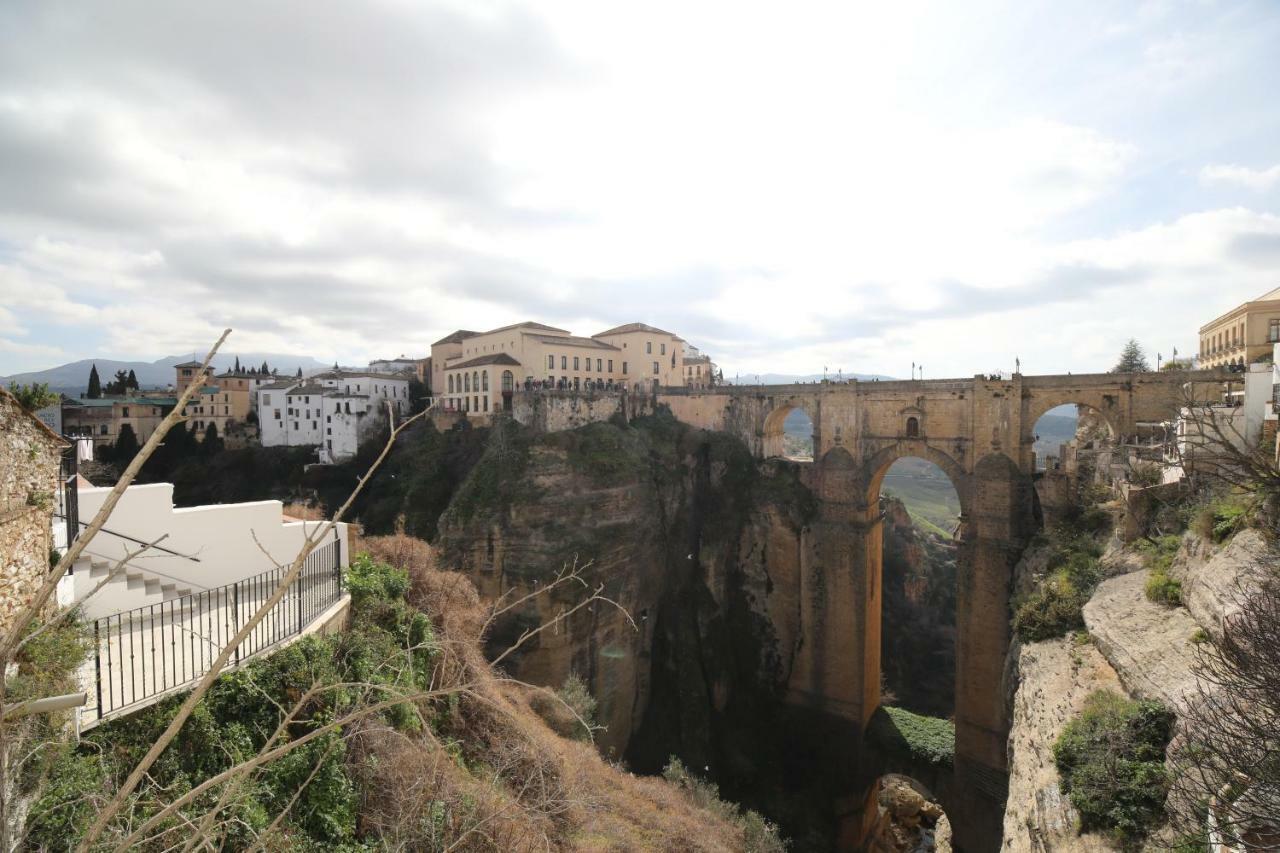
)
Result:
{"points": [[466, 380], [484, 381], [450, 383], [508, 381], [475, 380], [913, 427]]}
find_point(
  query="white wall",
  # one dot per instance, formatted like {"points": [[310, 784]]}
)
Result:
{"points": [[222, 536]]}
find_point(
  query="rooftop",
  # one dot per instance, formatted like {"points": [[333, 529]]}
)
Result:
{"points": [[541, 327], [574, 341], [456, 338], [309, 388], [632, 327], [495, 358], [189, 364], [697, 359], [1269, 296], [280, 384], [88, 403]]}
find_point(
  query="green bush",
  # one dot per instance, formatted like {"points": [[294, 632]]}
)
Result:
{"points": [[575, 694], [1111, 762], [1222, 518], [1163, 589], [912, 737], [389, 644], [1056, 607]]}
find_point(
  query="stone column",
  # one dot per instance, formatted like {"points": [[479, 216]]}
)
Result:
{"points": [[994, 536]]}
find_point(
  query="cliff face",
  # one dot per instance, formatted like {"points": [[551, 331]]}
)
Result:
{"points": [[684, 532]]}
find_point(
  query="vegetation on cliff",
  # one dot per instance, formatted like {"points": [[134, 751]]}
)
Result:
{"points": [[1111, 760], [455, 760], [909, 739]]}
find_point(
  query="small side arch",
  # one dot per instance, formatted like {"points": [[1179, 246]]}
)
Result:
{"points": [[773, 431]]}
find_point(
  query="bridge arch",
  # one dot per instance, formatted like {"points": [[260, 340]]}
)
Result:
{"points": [[1042, 405], [773, 429], [875, 469]]}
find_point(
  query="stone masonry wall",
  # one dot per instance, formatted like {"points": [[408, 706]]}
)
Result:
{"points": [[29, 456]]}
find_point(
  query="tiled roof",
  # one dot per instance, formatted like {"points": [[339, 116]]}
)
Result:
{"points": [[541, 327], [495, 358], [308, 388], [456, 338], [189, 364], [573, 341], [280, 384], [632, 327]]}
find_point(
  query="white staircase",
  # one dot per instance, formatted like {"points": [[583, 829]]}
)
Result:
{"points": [[132, 587]]}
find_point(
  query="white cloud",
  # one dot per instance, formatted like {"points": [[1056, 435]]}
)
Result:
{"points": [[1259, 180]]}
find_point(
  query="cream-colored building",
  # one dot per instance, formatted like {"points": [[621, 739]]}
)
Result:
{"points": [[477, 372], [102, 418], [1243, 334], [224, 400]]}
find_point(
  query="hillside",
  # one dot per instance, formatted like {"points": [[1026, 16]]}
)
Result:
{"points": [[73, 377]]}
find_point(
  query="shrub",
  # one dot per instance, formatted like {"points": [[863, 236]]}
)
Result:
{"points": [[1222, 518], [758, 835], [1163, 589], [1056, 607], [1111, 762], [575, 694]]}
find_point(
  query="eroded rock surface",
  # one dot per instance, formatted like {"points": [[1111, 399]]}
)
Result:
{"points": [[1212, 577]]}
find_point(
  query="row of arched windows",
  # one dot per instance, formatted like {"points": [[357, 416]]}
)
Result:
{"points": [[477, 379]]}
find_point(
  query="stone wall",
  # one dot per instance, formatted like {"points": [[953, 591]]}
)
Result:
{"points": [[556, 411], [29, 458]]}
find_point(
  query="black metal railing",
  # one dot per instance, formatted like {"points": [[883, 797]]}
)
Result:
{"points": [[147, 651]]}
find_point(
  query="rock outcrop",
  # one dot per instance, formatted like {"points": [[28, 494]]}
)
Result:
{"points": [[1213, 577], [1149, 644], [1054, 679]]}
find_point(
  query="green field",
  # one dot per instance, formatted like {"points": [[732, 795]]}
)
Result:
{"points": [[927, 493]]}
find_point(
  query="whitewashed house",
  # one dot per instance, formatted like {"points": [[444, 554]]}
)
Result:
{"points": [[332, 411]]}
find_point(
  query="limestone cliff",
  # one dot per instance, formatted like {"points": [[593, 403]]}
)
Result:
{"points": [[685, 532]]}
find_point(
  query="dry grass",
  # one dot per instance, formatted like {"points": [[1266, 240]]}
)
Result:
{"points": [[492, 775], [303, 512]]}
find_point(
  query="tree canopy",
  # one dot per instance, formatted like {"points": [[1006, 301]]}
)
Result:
{"points": [[34, 396], [1132, 359], [95, 384]]}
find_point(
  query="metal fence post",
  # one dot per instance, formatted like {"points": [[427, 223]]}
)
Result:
{"points": [[97, 666], [235, 615]]}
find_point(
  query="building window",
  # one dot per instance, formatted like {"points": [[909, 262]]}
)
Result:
{"points": [[486, 404], [662, 349], [655, 368], [648, 347], [611, 365], [451, 383], [575, 362], [508, 382], [277, 414], [551, 362], [624, 368], [599, 365], [564, 362], [466, 381], [125, 410], [1273, 331], [295, 426], [484, 380], [104, 429], [913, 427]]}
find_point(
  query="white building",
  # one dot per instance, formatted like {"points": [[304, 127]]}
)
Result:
{"points": [[333, 411]]}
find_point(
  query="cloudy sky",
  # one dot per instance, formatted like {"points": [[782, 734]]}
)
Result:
{"points": [[787, 185]]}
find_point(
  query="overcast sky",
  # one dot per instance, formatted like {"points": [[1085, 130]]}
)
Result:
{"points": [[787, 185]]}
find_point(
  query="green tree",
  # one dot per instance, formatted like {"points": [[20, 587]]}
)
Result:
{"points": [[126, 446], [1132, 359], [33, 396], [95, 384], [212, 442], [133, 381], [265, 369], [237, 367], [119, 386]]}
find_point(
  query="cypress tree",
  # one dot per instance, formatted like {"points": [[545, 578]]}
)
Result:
{"points": [[95, 384], [133, 380], [237, 370], [212, 442], [265, 369], [126, 446]]}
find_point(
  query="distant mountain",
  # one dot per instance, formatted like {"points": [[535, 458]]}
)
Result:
{"points": [[73, 378], [792, 379]]}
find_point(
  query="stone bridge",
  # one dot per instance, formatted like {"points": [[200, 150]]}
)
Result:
{"points": [[980, 432]]}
